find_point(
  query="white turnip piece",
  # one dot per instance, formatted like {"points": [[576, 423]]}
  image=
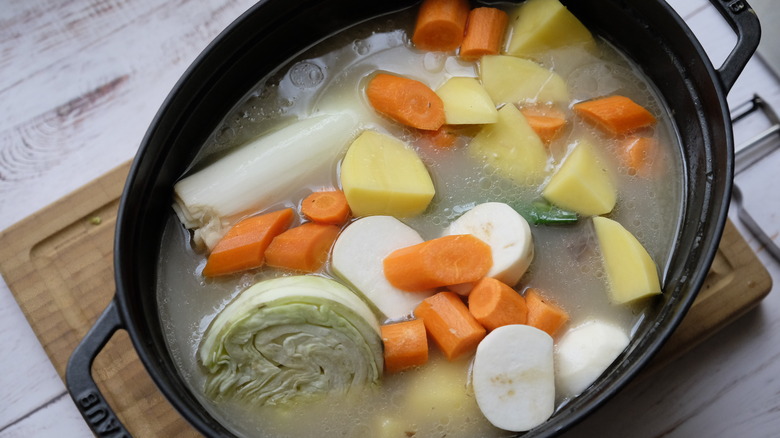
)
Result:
{"points": [[584, 352], [513, 377], [357, 258]]}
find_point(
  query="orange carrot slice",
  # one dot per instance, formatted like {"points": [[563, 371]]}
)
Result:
{"points": [[547, 127], [485, 30], [450, 324], [406, 345], [326, 207], [445, 261], [302, 248], [494, 304], [440, 24], [616, 115], [442, 138], [543, 314], [245, 243], [406, 101], [639, 155]]}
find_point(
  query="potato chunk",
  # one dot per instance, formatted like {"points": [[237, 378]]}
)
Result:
{"points": [[582, 183], [541, 25], [631, 272], [511, 80], [466, 102], [381, 175], [511, 147]]}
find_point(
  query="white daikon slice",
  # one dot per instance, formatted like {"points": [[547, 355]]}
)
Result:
{"points": [[584, 353], [508, 235], [513, 377], [357, 258]]}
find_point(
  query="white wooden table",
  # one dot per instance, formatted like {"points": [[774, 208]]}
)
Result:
{"points": [[79, 83]]}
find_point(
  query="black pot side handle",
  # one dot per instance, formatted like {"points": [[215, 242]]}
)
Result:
{"points": [[744, 22], [81, 385]]}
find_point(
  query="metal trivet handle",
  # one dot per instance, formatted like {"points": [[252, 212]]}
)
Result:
{"points": [[750, 153]]}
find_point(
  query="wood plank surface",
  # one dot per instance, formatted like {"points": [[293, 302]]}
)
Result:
{"points": [[81, 80], [58, 264]]}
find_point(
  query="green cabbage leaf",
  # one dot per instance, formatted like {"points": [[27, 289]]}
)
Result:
{"points": [[289, 338]]}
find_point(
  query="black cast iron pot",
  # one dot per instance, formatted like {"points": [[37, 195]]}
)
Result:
{"points": [[272, 31]]}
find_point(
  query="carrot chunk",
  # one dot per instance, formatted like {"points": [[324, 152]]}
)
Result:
{"points": [[245, 243], [639, 154], [542, 314], [406, 345], [440, 24], [616, 115], [326, 207], [547, 126], [485, 30], [442, 138], [450, 324], [445, 261], [406, 101], [494, 304], [302, 248]]}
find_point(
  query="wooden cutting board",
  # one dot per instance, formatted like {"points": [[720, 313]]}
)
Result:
{"points": [[58, 264]]}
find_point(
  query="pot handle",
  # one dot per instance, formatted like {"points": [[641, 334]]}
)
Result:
{"points": [[81, 385], [743, 20]]}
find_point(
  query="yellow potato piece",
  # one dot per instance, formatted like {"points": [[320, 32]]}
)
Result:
{"points": [[631, 272], [511, 147], [466, 102], [582, 183], [381, 175], [541, 25], [510, 80], [437, 392]]}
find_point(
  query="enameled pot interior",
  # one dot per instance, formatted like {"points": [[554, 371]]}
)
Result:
{"points": [[275, 30]]}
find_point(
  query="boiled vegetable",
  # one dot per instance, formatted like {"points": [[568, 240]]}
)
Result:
{"points": [[466, 102], [541, 25], [615, 115], [584, 353], [357, 258], [444, 261], [244, 245], [494, 304], [442, 138], [543, 314], [260, 173], [582, 183], [639, 155], [406, 101], [405, 345], [291, 338], [507, 233], [440, 24], [485, 30], [547, 126], [511, 80], [631, 272], [326, 207], [511, 147], [513, 377], [450, 325], [380, 175], [303, 248], [543, 213], [437, 395]]}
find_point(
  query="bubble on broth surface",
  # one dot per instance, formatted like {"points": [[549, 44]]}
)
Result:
{"points": [[361, 47], [306, 75]]}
